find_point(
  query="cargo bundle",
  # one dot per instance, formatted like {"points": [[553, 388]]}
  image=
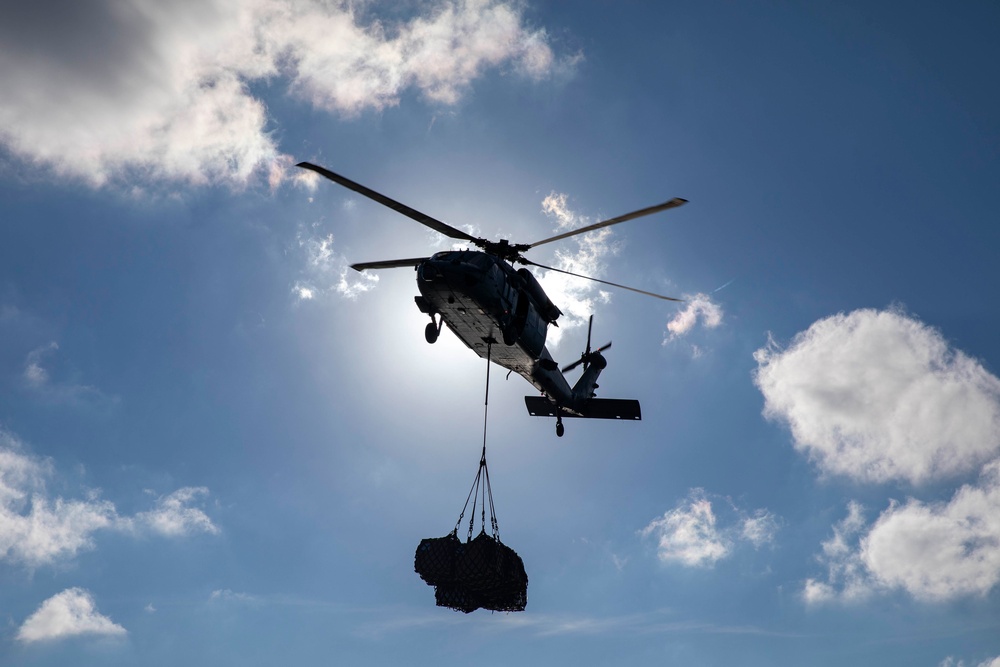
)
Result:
{"points": [[481, 573]]}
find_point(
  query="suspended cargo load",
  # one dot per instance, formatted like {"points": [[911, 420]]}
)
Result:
{"points": [[482, 573]]}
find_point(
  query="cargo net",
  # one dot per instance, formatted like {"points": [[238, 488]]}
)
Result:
{"points": [[478, 573]]}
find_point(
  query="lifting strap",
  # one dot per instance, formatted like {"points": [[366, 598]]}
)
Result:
{"points": [[481, 490]]}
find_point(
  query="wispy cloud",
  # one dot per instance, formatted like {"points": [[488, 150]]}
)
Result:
{"points": [[656, 622], [700, 309], [34, 528], [163, 90], [326, 271], [951, 661], [577, 298], [37, 377], [690, 534], [71, 613], [846, 578], [227, 595], [176, 516], [37, 529], [879, 396], [759, 527]]}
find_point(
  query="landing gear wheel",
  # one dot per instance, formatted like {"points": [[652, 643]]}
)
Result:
{"points": [[431, 332], [560, 429]]}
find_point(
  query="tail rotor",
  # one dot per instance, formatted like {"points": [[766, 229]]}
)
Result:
{"points": [[588, 356]]}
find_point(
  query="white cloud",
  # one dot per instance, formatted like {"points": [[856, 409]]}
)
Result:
{"points": [[951, 661], [227, 596], [37, 529], [699, 308], [939, 551], [37, 377], [847, 578], [556, 206], [327, 272], [879, 396], [68, 614], [575, 297], [690, 535], [687, 534], [174, 516], [759, 528], [932, 551], [163, 89]]}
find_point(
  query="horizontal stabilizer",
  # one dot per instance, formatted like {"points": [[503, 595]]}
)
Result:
{"points": [[595, 408]]}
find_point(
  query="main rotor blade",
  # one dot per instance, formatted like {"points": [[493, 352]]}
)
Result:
{"points": [[603, 282], [590, 327], [411, 213], [388, 264], [673, 203]]}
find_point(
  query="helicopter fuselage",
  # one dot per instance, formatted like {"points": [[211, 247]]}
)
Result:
{"points": [[502, 313]]}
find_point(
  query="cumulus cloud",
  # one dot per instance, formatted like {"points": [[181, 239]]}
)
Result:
{"points": [[37, 529], [932, 551], [163, 90], [68, 614], [940, 551], [690, 534], [879, 396]]}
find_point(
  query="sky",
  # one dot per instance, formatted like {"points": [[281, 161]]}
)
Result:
{"points": [[219, 445]]}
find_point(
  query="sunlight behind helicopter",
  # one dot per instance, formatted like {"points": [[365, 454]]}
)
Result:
{"points": [[492, 306]]}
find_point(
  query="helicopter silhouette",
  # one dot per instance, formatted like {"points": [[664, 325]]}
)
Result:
{"points": [[480, 296]]}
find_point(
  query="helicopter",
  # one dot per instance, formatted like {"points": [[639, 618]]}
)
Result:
{"points": [[485, 301]]}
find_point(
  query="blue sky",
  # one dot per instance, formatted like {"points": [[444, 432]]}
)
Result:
{"points": [[220, 446]]}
